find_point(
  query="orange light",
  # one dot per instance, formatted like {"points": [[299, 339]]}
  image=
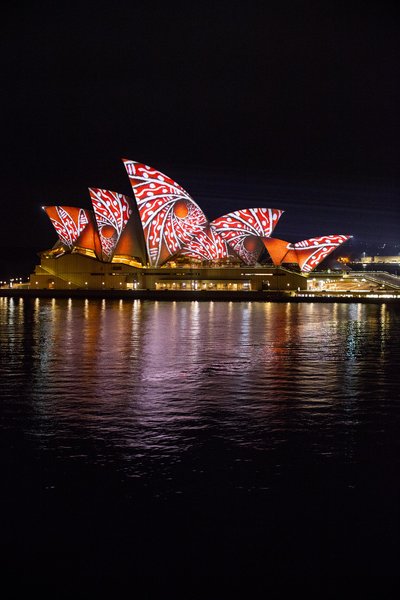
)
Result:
{"points": [[250, 243], [181, 209], [108, 231]]}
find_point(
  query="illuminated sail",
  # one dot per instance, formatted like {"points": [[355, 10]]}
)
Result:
{"points": [[313, 251], [308, 254], [243, 230], [112, 212], [68, 221], [170, 217]]}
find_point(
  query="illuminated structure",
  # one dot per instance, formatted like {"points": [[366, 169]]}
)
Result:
{"points": [[69, 222], [166, 232], [245, 229], [308, 254], [384, 260]]}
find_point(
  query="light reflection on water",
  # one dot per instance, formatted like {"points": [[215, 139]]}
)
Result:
{"points": [[251, 411], [152, 373]]}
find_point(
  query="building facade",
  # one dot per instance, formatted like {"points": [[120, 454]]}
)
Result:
{"points": [[75, 271]]}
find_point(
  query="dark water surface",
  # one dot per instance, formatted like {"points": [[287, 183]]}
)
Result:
{"points": [[155, 438]]}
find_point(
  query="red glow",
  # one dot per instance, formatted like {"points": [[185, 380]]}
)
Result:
{"points": [[108, 231], [251, 243]]}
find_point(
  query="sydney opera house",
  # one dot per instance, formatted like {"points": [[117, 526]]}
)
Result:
{"points": [[164, 241]]}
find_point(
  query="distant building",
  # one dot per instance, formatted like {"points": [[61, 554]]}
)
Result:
{"points": [[390, 260]]}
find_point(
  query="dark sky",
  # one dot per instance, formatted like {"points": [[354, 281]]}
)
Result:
{"points": [[286, 104]]}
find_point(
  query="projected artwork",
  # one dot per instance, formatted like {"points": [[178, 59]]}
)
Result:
{"points": [[243, 229], [205, 245], [165, 222], [112, 212], [68, 221], [308, 254], [313, 251], [169, 216]]}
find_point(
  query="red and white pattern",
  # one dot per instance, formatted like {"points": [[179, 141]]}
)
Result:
{"points": [[242, 228], [313, 251], [68, 221], [112, 212], [169, 216], [205, 244], [308, 254]]}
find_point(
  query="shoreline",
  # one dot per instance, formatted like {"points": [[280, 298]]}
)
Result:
{"points": [[207, 296]]}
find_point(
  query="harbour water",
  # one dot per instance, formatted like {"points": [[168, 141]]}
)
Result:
{"points": [[156, 438]]}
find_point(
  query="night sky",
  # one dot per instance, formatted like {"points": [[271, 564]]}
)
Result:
{"points": [[292, 105]]}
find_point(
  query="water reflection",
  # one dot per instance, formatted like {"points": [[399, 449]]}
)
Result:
{"points": [[152, 375], [232, 428]]}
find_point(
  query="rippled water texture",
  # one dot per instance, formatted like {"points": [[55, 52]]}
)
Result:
{"points": [[155, 437]]}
